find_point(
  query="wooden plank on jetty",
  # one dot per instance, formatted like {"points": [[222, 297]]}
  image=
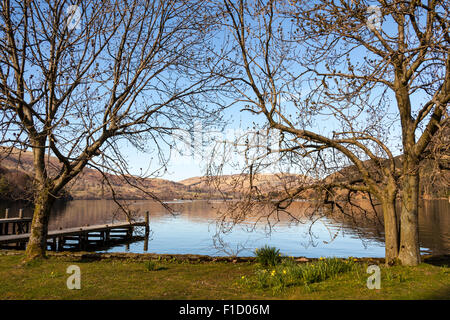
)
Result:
{"points": [[8, 220]]}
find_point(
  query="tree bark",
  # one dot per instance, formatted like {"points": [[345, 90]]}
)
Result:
{"points": [[409, 251], [43, 202], [390, 231], [37, 244]]}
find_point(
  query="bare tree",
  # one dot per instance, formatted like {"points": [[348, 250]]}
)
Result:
{"points": [[79, 80], [347, 83]]}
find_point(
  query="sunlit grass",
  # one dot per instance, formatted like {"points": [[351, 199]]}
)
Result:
{"points": [[326, 278]]}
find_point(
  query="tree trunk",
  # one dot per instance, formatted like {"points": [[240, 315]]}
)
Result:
{"points": [[409, 253], [37, 244], [390, 231]]}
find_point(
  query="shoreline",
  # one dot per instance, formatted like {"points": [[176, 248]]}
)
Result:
{"points": [[193, 258], [176, 200]]}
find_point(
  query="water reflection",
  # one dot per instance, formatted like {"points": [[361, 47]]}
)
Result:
{"points": [[434, 226], [194, 230]]}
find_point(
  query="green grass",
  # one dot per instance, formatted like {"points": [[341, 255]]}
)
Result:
{"points": [[131, 279]]}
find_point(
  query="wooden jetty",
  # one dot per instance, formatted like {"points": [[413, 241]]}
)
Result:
{"points": [[14, 226], [79, 238]]}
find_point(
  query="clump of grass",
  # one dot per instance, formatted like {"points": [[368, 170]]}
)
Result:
{"points": [[289, 273], [268, 256], [152, 266]]}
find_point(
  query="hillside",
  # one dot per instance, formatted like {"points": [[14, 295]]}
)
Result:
{"points": [[16, 182], [434, 170], [90, 184], [434, 176], [232, 185], [16, 171]]}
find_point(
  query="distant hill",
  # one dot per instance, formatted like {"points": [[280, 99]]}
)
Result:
{"points": [[434, 176], [232, 185], [434, 170], [90, 184], [16, 182]]}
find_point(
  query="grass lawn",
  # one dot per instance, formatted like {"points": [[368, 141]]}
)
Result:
{"points": [[132, 279]]}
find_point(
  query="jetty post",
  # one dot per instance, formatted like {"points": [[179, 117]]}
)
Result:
{"points": [[147, 224], [147, 231], [4, 229]]}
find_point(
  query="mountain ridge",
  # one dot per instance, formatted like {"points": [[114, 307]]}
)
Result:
{"points": [[91, 184], [16, 183]]}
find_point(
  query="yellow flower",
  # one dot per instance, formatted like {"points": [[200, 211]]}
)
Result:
{"points": [[272, 273], [243, 277], [284, 271]]}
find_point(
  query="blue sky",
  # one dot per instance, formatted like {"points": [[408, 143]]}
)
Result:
{"points": [[194, 163]]}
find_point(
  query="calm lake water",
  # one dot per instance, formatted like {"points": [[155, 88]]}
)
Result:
{"points": [[193, 230]]}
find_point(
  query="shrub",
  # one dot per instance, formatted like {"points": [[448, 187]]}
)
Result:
{"points": [[268, 256]]}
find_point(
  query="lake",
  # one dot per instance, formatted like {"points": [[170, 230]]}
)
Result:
{"points": [[193, 230]]}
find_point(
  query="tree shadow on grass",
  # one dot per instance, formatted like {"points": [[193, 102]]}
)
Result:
{"points": [[153, 266], [439, 261], [443, 294], [160, 269]]}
